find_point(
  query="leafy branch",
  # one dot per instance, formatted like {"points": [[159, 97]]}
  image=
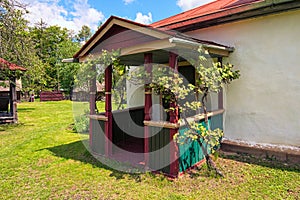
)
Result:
{"points": [[94, 68], [172, 87]]}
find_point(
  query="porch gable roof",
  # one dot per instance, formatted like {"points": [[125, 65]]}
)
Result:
{"points": [[108, 25], [140, 38]]}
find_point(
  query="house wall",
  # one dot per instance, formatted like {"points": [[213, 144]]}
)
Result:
{"points": [[263, 105], [136, 98]]}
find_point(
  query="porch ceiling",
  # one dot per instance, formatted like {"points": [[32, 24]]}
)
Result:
{"points": [[160, 49]]}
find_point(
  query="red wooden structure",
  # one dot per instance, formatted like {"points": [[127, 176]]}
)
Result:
{"points": [[51, 96], [8, 103], [111, 132]]}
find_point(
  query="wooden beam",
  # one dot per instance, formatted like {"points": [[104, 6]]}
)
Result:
{"points": [[13, 99], [108, 111], [220, 94], [174, 116], [148, 104], [162, 124], [98, 117], [219, 52], [166, 124], [92, 104], [199, 117], [173, 63]]}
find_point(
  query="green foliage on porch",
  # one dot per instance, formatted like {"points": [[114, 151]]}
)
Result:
{"points": [[190, 152]]}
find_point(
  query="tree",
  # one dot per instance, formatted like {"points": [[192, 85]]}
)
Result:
{"points": [[52, 43], [16, 44], [84, 34], [13, 35], [87, 71], [67, 71], [39, 49]]}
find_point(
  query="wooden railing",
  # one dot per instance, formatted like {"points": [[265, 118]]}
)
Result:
{"points": [[127, 123], [199, 117], [189, 154]]}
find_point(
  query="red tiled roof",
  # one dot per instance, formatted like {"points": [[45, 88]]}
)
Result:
{"points": [[13, 67], [201, 11]]}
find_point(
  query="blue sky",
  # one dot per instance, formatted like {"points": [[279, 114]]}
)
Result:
{"points": [[73, 14]]}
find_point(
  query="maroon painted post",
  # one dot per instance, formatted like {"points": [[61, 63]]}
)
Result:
{"points": [[108, 109], [92, 103], [13, 98], [220, 94], [148, 105], [174, 166]]}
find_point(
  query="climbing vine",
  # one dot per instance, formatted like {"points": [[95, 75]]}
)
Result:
{"points": [[173, 88], [94, 68]]}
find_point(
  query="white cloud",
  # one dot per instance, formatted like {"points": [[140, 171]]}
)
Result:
{"points": [[189, 4], [80, 13], [143, 19], [84, 14], [128, 1]]}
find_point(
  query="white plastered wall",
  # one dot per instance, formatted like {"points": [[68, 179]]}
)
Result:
{"points": [[263, 106], [136, 98]]}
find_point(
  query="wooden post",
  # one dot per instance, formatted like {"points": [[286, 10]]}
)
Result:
{"points": [[13, 99], [174, 165], [148, 105], [108, 111], [220, 94], [92, 104]]}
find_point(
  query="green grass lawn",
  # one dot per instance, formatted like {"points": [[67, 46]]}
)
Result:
{"points": [[42, 158]]}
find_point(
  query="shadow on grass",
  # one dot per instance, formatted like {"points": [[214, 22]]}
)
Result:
{"points": [[25, 109], [203, 171], [7, 126], [264, 162], [77, 151]]}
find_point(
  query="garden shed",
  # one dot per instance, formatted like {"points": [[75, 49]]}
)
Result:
{"points": [[10, 85]]}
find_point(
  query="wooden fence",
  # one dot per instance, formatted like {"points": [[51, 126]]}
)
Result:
{"points": [[51, 96]]}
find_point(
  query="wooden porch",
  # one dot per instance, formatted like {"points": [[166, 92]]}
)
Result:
{"points": [[132, 134], [128, 146]]}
